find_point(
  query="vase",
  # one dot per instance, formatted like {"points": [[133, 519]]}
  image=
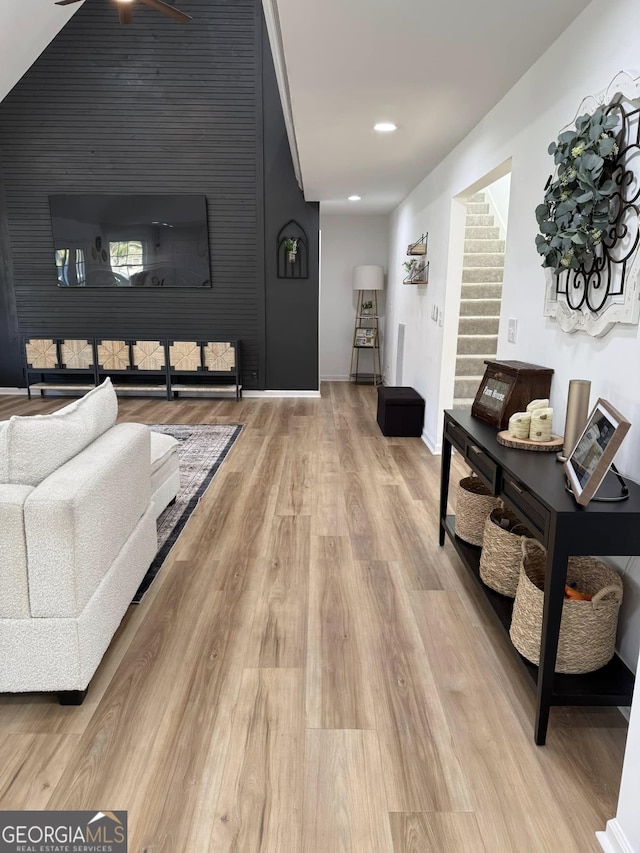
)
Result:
{"points": [[292, 257], [577, 414]]}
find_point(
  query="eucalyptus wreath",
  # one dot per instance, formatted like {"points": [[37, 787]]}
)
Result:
{"points": [[577, 203]]}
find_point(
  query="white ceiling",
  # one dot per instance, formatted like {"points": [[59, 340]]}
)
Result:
{"points": [[434, 67], [26, 28]]}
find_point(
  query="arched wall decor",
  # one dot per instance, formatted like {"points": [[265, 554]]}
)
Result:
{"points": [[293, 263], [593, 300]]}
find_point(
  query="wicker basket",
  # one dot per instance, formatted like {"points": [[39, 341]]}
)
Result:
{"points": [[588, 628], [502, 551], [474, 503]]}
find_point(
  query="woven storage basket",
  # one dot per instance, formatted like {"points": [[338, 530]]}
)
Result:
{"points": [[473, 505], [588, 628], [502, 551]]}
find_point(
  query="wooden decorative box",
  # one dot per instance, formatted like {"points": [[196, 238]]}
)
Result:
{"points": [[508, 387]]}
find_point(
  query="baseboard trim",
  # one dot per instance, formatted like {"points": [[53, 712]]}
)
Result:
{"points": [[433, 446], [613, 839], [272, 395], [264, 394], [334, 379]]}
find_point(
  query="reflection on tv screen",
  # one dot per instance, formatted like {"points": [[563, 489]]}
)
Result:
{"points": [[591, 446], [130, 240]]}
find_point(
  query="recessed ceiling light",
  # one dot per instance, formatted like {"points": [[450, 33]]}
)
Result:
{"points": [[385, 127], [355, 198]]}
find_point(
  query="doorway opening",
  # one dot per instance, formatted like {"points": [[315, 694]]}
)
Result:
{"points": [[480, 285]]}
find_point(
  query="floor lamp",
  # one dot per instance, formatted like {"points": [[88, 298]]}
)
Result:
{"points": [[367, 279]]}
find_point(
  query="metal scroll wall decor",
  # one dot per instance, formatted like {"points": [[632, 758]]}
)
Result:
{"points": [[594, 298], [293, 251]]}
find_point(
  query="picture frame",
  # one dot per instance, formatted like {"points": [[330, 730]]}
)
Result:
{"points": [[365, 338], [594, 450]]}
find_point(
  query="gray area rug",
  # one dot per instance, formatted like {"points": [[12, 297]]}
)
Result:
{"points": [[203, 448]]}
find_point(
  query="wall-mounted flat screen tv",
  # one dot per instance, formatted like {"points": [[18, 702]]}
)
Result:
{"points": [[130, 240]]}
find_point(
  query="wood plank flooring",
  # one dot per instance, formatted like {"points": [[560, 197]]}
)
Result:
{"points": [[311, 672]]}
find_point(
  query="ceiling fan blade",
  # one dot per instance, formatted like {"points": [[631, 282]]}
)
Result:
{"points": [[124, 13], [166, 9], [66, 2]]}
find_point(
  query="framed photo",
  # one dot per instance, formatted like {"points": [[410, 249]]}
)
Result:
{"points": [[365, 338], [590, 459]]}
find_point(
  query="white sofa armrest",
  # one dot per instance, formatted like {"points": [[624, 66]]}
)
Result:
{"points": [[80, 517], [14, 588]]}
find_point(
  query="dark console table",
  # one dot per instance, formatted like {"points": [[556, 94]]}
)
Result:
{"points": [[533, 486]]}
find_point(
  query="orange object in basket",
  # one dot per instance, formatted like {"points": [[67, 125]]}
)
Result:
{"points": [[575, 594]]}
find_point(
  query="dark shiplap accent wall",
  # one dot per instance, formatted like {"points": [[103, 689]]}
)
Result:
{"points": [[291, 304], [10, 356], [151, 107]]}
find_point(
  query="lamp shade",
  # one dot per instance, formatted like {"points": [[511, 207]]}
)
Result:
{"points": [[368, 277]]}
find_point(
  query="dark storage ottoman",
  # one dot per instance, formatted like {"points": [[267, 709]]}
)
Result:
{"points": [[400, 411]]}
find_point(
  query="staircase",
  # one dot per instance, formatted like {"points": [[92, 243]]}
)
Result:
{"points": [[480, 299]]}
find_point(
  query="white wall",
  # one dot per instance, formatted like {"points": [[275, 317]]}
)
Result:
{"points": [[623, 833], [25, 30], [498, 194], [604, 39], [347, 241]]}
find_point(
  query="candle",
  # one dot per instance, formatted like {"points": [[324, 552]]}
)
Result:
{"points": [[537, 404], [520, 425], [541, 423]]}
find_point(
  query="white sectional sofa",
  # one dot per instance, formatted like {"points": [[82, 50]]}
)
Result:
{"points": [[77, 534]]}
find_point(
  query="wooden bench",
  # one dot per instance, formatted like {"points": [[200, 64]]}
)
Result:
{"points": [[171, 367]]}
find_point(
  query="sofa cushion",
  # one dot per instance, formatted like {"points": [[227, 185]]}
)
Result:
{"points": [[162, 447], [14, 590], [37, 445], [78, 520]]}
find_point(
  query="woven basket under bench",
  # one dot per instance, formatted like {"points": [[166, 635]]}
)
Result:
{"points": [[502, 551], [588, 628], [474, 502]]}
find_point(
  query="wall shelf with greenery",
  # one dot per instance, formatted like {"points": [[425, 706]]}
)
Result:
{"points": [[293, 251], [417, 272]]}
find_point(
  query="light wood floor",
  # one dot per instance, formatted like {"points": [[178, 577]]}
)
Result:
{"points": [[311, 673]]}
